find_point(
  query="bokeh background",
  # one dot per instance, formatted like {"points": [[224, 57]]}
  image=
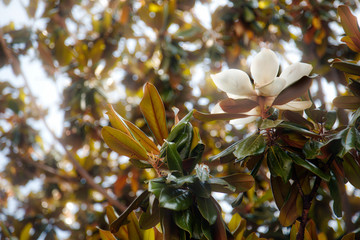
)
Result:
{"points": [[62, 62]]}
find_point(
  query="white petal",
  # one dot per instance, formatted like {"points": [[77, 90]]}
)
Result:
{"points": [[294, 105], [272, 89], [295, 71], [264, 67], [234, 81], [217, 109], [242, 121]]}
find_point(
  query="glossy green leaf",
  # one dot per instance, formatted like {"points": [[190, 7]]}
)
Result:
{"points": [[175, 199], [207, 209], [201, 189], [310, 166], [352, 170], [206, 230], [293, 127], [349, 139], [354, 117], [178, 129], [253, 145], [335, 195], [279, 162], [123, 144], [151, 217], [184, 140], [330, 119], [156, 185], [153, 110], [173, 158], [268, 123], [189, 164], [220, 185], [227, 151], [184, 220], [312, 149]]}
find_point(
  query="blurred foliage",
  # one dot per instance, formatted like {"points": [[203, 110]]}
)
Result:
{"points": [[105, 51]]}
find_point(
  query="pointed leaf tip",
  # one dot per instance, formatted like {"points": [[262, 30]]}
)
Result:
{"points": [[153, 109]]}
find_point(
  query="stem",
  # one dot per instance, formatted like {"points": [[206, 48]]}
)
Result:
{"points": [[16, 66], [307, 201]]}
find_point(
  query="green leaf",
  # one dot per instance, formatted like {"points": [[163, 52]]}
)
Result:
{"points": [[279, 162], [330, 119], [312, 149], [220, 185], [349, 138], [156, 185], [179, 127], [267, 123], [151, 217], [123, 144], [175, 199], [354, 117], [352, 170], [184, 220], [253, 145], [207, 209], [173, 158], [201, 189], [296, 128], [121, 220], [335, 195], [226, 152], [153, 110], [189, 164], [206, 230], [140, 163], [310, 166], [184, 141]]}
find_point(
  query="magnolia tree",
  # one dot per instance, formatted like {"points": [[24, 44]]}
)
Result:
{"points": [[299, 149], [208, 135]]}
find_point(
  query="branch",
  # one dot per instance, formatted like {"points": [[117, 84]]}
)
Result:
{"points": [[307, 201]]}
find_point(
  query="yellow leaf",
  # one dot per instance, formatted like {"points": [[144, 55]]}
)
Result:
{"points": [[123, 144], [25, 232], [322, 236], [135, 233], [106, 235], [316, 22], [97, 50], [149, 234], [116, 121], [196, 138], [153, 110], [234, 222]]}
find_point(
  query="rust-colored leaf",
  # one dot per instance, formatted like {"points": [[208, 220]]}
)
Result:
{"points": [[347, 102], [230, 105], [217, 116], [350, 24], [123, 144], [106, 235], [153, 110], [293, 91]]}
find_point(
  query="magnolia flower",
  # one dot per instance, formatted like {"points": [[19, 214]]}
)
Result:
{"points": [[250, 100]]}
